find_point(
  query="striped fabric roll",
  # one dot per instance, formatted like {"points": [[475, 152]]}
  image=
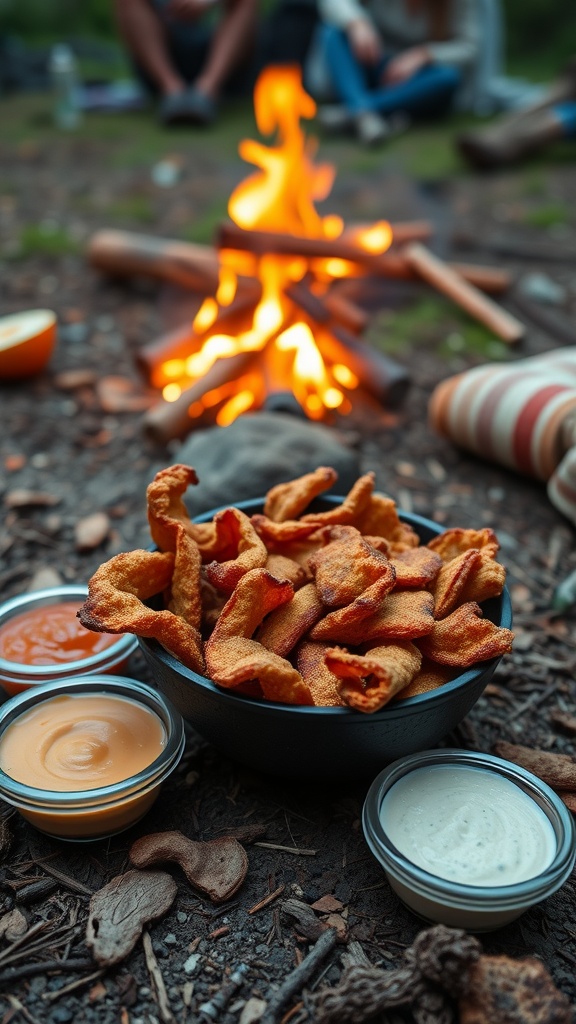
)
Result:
{"points": [[516, 414]]}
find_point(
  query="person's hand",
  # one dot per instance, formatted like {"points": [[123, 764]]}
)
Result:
{"points": [[365, 41], [186, 10], [405, 65]]}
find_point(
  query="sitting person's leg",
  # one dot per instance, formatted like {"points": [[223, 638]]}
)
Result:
{"points": [[349, 77], [427, 93], [146, 40], [232, 45]]}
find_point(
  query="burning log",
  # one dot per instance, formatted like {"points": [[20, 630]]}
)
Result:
{"points": [[390, 264], [402, 231], [346, 312], [169, 420], [381, 376], [451, 283], [184, 341], [124, 253]]}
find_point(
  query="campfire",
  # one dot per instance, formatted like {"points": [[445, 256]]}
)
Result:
{"points": [[273, 328]]}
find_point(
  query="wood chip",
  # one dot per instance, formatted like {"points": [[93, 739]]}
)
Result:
{"points": [[119, 911], [557, 770], [327, 905], [13, 925]]}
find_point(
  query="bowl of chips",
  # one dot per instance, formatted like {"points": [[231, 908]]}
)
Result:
{"points": [[306, 634]]}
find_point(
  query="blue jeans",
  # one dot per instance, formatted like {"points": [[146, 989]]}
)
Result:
{"points": [[429, 92], [566, 112]]}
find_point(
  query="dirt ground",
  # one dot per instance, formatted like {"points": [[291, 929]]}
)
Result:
{"points": [[69, 448]]}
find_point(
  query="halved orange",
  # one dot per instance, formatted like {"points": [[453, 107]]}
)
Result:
{"points": [[27, 340]]}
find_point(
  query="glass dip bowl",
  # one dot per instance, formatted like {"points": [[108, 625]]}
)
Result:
{"points": [[75, 747], [16, 676], [475, 907]]}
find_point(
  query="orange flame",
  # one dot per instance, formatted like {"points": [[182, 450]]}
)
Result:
{"points": [[279, 196]]}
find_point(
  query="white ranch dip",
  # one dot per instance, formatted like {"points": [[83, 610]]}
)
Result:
{"points": [[468, 825]]}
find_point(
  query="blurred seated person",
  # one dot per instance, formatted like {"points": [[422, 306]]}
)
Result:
{"points": [[188, 51], [388, 61]]}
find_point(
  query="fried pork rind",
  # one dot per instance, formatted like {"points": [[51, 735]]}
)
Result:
{"points": [[402, 615], [166, 509], [239, 549], [368, 681], [237, 661], [292, 531], [464, 637], [285, 626], [416, 567], [454, 542], [284, 568], [288, 501], [185, 597], [379, 518], [430, 677], [349, 621], [346, 566], [451, 581], [471, 576], [234, 659], [351, 508], [315, 673], [116, 593]]}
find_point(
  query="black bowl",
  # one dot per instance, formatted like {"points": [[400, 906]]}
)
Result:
{"points": [[322, 743]]}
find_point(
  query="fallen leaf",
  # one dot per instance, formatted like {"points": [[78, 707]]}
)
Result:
{"points": [[119, 394], [23, 498], [327, 904], [506, 991], [217, 867], [119, 911], [90, 532]]}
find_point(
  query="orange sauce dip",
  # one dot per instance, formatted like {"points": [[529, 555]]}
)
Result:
{"points": [[81, 742], [50, 635]]}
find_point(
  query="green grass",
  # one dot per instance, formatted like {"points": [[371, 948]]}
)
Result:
{"points": [[433, 322], [44, 240], [548, 216]]}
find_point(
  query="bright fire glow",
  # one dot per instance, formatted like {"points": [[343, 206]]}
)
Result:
{"points": [[279, 196]]}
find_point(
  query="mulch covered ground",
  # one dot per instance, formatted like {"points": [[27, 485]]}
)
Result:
{"points": [[72, 445]]}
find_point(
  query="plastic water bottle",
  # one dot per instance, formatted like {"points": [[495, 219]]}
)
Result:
{"points": [[64, 79]]}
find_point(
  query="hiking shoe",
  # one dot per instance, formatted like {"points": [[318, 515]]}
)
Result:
{"points": [[334, 118], [188, 107], [371, 128]]}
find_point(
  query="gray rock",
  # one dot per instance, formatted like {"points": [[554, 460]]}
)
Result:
{"points": [[257, 452]]}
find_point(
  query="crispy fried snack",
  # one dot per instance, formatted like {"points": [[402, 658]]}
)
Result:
{"points": [[488, 581], [233, 658], [346, 566], [285, 626], [452, 579], [349, 621], [402, 615], [116, 593], [288, 501], [291, 531], [368, 681], [185, 596], [315, 673], [416, 567], [239, 549], [380, 518], [351, 508], [166, 509], [284, 568], [453, 542], [234, 662], [464, 637], [430, 677]]}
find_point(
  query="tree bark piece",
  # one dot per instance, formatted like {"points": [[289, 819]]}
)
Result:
{"points": [[119, 911], [217, 867]]}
